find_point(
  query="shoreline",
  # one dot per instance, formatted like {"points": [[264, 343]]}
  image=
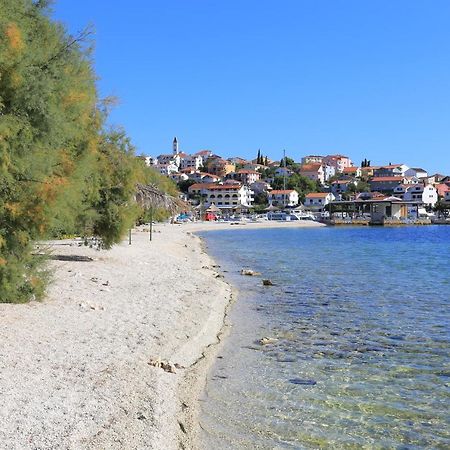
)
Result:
{"points": [[75, 370]]}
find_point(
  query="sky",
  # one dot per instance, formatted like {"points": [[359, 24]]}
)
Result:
{"points": [[368, 79]]}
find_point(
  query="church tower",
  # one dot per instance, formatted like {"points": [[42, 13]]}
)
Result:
{"points": [[175, 146]]}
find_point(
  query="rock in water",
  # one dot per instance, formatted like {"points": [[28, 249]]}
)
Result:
{"points": [[303, 382], [249, 272], [267, 283], [267, 340]]}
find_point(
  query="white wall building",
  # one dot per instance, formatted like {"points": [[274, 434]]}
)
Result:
{"points": [[312, 159], [418, 192], [416, 172], [166, 169], [149, 160], [224, 196], [316, 201], [191, 162], [283, 197], [169, 159], [328, 172]]}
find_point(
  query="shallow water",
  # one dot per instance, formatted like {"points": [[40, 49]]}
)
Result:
{"points": [[362, 357]]}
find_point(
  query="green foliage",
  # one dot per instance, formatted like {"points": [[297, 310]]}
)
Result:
{"points": [[261, 199], [301, 184], [60, 172], [184, 185]]}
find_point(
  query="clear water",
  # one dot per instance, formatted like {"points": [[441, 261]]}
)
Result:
{"points": [[362, 357]]}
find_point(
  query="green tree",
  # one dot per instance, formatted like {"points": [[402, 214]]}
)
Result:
{"points": [[184, 185], [60, 171], [301, 184]]}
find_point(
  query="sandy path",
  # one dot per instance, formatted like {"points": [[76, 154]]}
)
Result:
{"points": [[74, 370]]}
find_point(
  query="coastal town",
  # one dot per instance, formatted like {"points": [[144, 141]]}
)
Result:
{"points": [[330, 188]]}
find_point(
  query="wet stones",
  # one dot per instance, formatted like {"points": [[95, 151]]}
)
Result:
{"points": [[249, 273], [303, 382]]}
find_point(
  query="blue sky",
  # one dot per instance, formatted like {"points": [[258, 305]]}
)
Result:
{"points": [[358, 77]]}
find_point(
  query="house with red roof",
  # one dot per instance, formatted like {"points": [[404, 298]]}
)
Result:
{"points": [[313, 171], [391, 170], [385, 184], [226, 196], [283, 197], [245, 176], [316, 201]]}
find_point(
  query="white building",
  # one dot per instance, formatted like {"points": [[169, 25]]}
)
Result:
{"points": [[169, 159], [313, 171], [339, 162], [283, 171], [328, 172], [416, 172], [166, 169], [312, 159], [418, 192], [316, 201], [283, 197], [191, 162], [224, 196]]}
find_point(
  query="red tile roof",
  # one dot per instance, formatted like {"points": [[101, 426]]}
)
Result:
{"points": [[281, 191], [314, 167], [317, 195], [216, 187], [381, 179]]}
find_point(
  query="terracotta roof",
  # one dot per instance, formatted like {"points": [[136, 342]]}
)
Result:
{"points": [[336, 156], [216, 187], [350, 169], [442, 188], [314, 167], [317, 195], [391, 166], [381, 179], [282, 191], [206, 174]]}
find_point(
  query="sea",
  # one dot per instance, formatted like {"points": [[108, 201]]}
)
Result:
{"points": [[359, 326]]}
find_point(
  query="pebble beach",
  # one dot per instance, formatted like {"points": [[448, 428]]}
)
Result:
{"points": [[116, 356]]}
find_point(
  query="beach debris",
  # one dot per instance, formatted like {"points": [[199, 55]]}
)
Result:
{"points": [[94, 279], [183, 429], [84, 305], [267, 283], [267, 340], [164, 364], [249, 272], [303, 382], [106, 283], [141, 417]]}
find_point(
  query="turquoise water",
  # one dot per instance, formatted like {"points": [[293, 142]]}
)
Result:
{"points": [[362, 357]]}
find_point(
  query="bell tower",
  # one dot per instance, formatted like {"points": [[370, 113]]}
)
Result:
{"points": [[175, 146]]}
